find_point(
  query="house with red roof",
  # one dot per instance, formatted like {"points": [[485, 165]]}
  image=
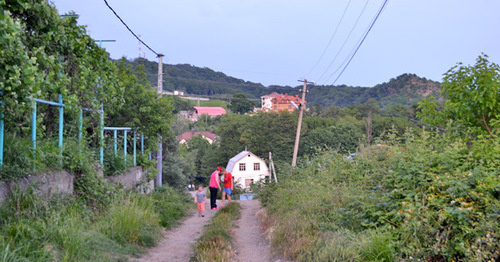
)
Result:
{"points": [[278, 102], [209, 136], [212, 111]]}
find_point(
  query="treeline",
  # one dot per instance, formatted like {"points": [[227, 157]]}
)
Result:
{"points": [[405, 89], [344, 130]]}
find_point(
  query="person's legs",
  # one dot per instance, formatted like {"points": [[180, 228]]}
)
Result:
{"points": [[203, 209], [229, 193], [199, 208], [213, 197], [223, 198]]}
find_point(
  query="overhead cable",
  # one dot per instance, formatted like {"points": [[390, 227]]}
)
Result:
{"points": [[331, 38], [345, 41], [362, 40], [130, 30]]}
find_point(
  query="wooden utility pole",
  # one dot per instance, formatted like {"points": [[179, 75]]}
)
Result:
{"points": [[299, 125], [159, 153]]}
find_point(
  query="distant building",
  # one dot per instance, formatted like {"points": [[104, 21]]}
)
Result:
{"points": [[247, 168], [278, 102], [266, 101], [196, 112], [209, 136], [178, 93]]}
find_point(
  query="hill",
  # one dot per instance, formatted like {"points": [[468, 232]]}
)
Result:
{"points": [[405, 89]]}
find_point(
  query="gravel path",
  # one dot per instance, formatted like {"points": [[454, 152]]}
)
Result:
{"points": [[248, 236], [178, 242]]}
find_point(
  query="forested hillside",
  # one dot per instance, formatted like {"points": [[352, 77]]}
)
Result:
{"points": [[405, 89]]}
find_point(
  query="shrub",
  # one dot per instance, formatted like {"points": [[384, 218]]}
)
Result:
{"points": [[430, 198]]}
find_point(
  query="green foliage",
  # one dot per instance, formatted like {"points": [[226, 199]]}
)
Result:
{"points": [[240, 104], [430, 198], [171, 205], [215, 242], [404, 89], [132, 219], [473, 98], [34, 229]]}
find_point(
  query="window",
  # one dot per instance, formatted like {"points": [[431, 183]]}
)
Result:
{"points": [[289, 107], [243, 167], [256, 166]]}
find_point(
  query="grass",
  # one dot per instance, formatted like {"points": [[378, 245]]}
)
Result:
{"points": [[215, 243], [34, 229]]}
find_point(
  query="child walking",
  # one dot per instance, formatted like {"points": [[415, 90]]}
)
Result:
{"points": [[200, 199]]}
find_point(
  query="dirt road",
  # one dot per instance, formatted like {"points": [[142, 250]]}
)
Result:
{"points": [[178, 242]]}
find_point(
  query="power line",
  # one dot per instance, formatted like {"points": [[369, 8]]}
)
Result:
{"points": [[130, 30], [345, 41], [331, 38], [362, 40]]}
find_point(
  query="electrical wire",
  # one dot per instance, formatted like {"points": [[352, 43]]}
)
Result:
{"points": [[331, 38], [345, 41], [362, 40], [130, 30]]}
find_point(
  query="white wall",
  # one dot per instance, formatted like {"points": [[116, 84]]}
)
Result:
{"points": [[249, 173]]}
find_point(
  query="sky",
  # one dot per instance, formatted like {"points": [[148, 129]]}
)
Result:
{"points": [[277, 42]]}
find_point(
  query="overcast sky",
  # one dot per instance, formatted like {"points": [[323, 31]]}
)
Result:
{"points": [[279, 41]]}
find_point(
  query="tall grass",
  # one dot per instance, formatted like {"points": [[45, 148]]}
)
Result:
{"points": [[133, 220], [215, 243], [34, 229]]}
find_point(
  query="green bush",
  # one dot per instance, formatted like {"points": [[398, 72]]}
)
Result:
{"points": [[132, 219], [170, 205], [430, 198]]}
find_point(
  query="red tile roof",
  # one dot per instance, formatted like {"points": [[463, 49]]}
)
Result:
{"points": [[285, 99], [211, 111], [191, 134]]}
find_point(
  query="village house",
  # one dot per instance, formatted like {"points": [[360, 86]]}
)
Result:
{"points": [[209, 136], [275, 102], [247, 168], [196, 112]]}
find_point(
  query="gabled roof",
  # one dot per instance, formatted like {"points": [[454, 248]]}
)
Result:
{"points": [[238, 157], [191, 134], [273, 94], [211, 111]]}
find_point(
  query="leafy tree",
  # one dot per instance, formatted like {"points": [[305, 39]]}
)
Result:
{"points": [[241, 104], [344, 138], [473, 98], [142, 108]]}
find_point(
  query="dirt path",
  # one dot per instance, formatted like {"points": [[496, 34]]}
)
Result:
{"points": [[178, 242], [248, 237]]}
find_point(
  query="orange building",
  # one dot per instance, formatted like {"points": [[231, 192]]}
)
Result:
{"points": [[285, 103]]}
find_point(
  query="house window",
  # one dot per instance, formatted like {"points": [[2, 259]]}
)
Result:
{"points": [[242, 167], [256, 166], [275, 107], [289, 107]]}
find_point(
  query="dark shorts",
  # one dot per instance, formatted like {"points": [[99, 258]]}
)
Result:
{"points": [[227, 191]]}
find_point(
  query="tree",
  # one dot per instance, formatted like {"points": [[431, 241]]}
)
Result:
{"points": [[473, 97], [241, 104]]}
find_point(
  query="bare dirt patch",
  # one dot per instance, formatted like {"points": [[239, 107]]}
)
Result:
{"points": [[177, 244]]}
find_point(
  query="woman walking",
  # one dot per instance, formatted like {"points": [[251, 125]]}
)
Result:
{"points": [[214, 187]]}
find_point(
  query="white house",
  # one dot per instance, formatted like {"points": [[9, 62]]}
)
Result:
{"points": [[247, 168]]}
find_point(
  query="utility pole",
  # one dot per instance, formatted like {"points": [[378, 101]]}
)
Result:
{"points": [[159, 153], [299, 125]]}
